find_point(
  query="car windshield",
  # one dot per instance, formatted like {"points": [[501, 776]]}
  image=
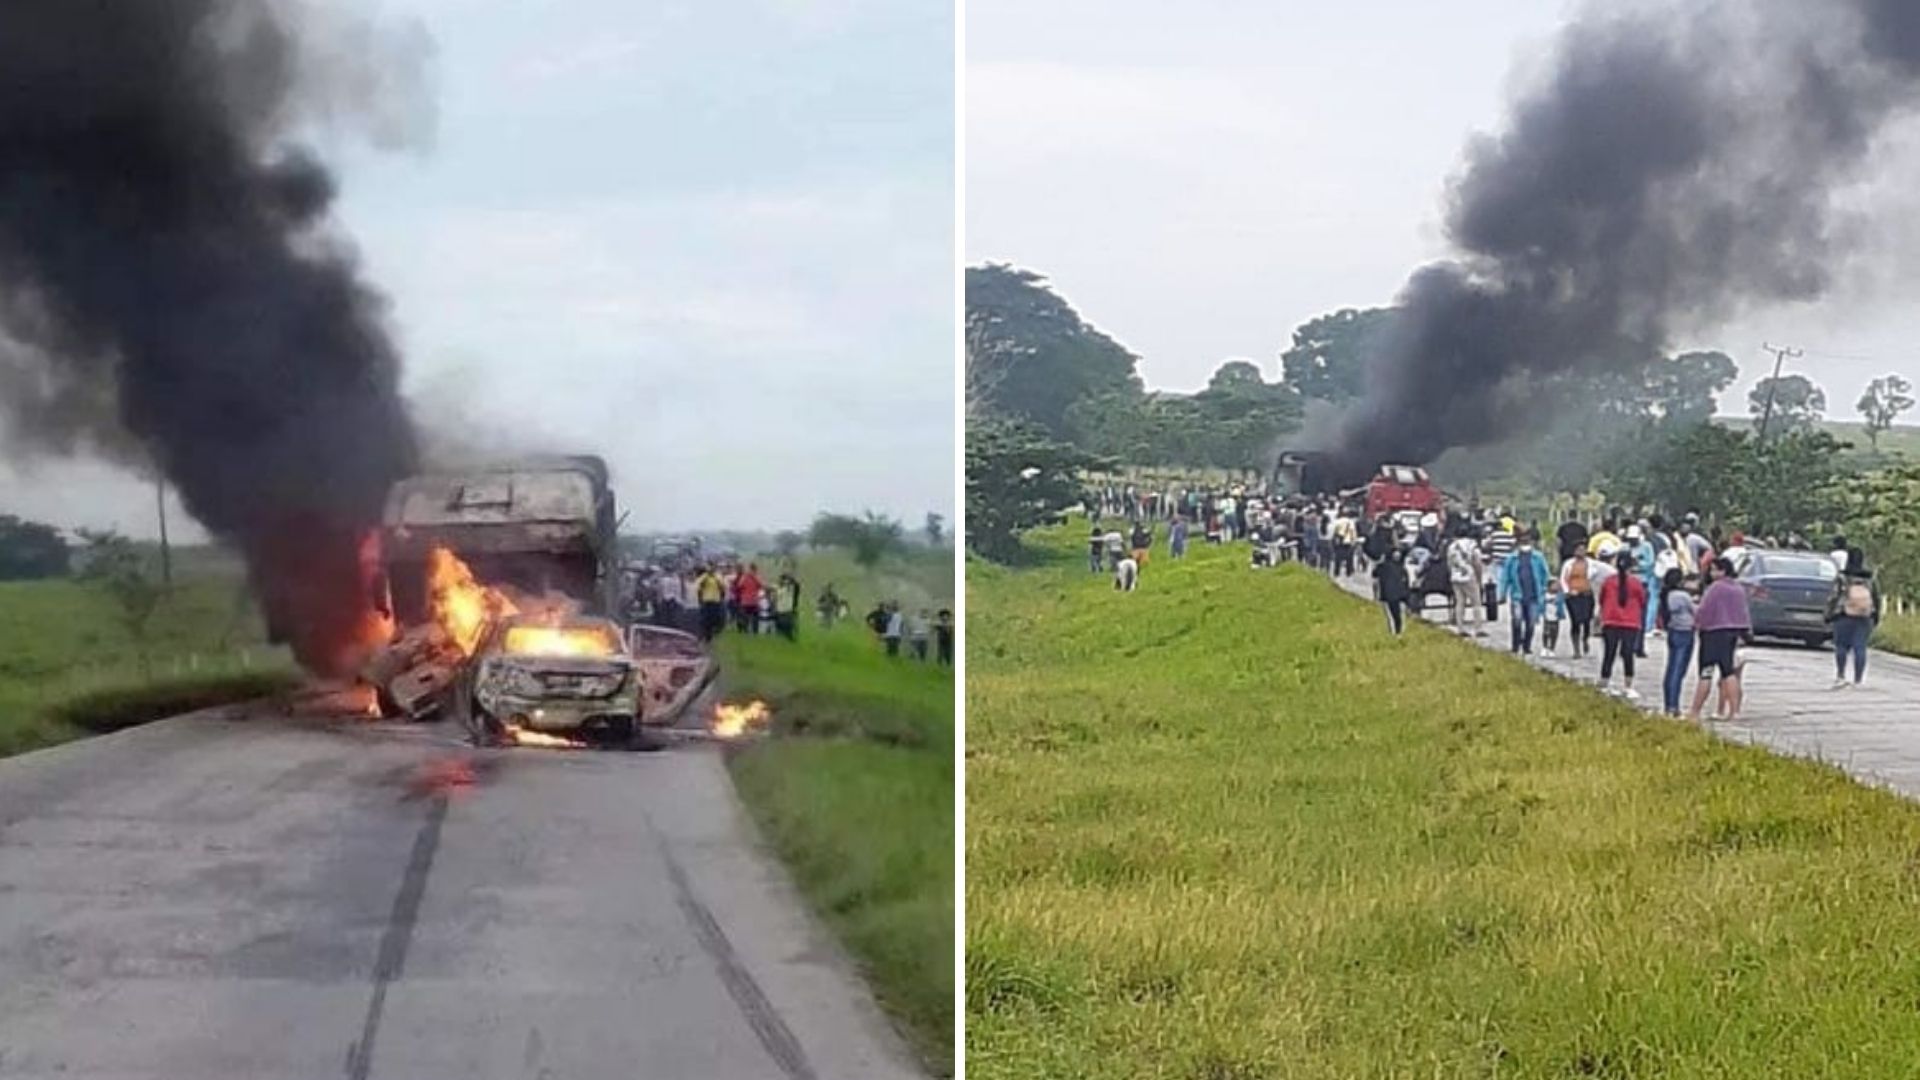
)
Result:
{"points": [[1799, 566], [587, 639]]}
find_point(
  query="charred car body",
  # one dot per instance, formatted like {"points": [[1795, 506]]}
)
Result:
{"points": [[569, 675]]}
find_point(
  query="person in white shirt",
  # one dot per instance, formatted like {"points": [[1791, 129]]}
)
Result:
{"points": [[1463, 571], [1126, 574]]}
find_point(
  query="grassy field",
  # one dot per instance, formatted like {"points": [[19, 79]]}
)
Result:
{"points": [[1225, 827], [1898, 633], [855, 791], [68, 666]]}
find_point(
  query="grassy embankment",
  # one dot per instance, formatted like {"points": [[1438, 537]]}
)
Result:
{"points": [[1225, 827], [69, 668], [1899, 633], [855, 789]]}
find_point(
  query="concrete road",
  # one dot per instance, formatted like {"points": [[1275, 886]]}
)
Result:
{"points": [[1872, 731], [241, 895]]}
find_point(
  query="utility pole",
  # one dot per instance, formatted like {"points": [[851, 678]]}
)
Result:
{"points": [[166, 550], [1780, 354]]}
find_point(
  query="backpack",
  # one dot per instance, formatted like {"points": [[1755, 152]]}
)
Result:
{"points": [[1577, 577], [1858, 600]]}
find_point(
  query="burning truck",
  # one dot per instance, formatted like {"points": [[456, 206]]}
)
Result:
{"points": [[499, 584]]}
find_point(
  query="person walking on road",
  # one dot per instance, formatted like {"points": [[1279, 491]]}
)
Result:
{"points": [[1576, 583], [1623, 606], [1463, 572], [1677, 612], [1523, 585], [1551, 616], [1720, 621], [1854, 611], [1392, 586]]}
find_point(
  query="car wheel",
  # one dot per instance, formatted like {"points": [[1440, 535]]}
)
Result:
{"points": [[620, 731]]}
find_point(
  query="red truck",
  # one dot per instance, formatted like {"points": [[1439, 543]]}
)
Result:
{"points": [[1393, 489]]}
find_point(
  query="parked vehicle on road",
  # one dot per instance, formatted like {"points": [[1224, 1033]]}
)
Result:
{"points": [[1787, 593]]}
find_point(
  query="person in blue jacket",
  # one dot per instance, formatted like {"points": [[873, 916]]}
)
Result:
{"points": [[1523, 585]]}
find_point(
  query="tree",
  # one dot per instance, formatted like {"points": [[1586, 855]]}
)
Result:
{"points": [[1882, 514], [1017, 478], [1796, 401], [870, 538], [1030, 355], [115, 564], [787, 542], [935, 529], [30, 550], [1330, 355], [1885, 398]]}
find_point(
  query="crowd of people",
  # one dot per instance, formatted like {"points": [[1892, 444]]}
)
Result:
{"points": [[712, 597], [1633, 578]]}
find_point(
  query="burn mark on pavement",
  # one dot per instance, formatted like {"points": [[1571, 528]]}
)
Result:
{"points": [[772, 1031], [393, 944]]}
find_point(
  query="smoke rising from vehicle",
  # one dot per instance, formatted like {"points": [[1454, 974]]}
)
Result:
{"points": [[1677, 163], [171, 291]]}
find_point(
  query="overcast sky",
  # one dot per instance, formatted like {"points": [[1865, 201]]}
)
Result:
{"points": [[1199, 179], [710, 241]]}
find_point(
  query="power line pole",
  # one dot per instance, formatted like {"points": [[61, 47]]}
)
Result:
{"points": [[1780, 354]]}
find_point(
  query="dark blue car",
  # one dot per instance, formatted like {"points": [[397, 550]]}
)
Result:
{"points": [[1787, 593]]}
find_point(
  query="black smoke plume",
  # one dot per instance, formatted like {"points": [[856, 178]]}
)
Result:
{"points": [[1678, 162], [170, 289]]}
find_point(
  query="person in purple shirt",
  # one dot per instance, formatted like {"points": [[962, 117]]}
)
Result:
{"points": [[1720, 621]]}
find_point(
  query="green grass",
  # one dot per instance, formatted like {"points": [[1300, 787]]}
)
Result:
{"points": [[855, 792], [68, 667], [1898, 633], [1226, 827]]}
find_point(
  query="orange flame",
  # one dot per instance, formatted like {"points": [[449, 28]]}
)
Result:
{"points": [[565, 641], [736, 721], [462, 606], [520, 736]]}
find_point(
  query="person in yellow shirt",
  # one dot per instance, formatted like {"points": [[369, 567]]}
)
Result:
{"points": [[711, 592]]}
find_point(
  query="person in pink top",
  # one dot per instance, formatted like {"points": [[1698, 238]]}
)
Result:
{"points": [[1720, 621]]}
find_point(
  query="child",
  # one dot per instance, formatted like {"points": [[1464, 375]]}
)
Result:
{"points": [[1556, 609]]}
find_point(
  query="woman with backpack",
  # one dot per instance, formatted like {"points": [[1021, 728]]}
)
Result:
{"points": [[1576, 581], [1853, 610]]}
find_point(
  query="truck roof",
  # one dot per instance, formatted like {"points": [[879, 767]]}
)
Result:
{"points": [[559, 489]]}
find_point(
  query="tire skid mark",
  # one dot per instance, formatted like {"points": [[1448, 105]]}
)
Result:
{"points": [[392, 958]]}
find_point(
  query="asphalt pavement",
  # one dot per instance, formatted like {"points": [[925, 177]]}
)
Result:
{"points": [[1871, 731], [242, 894]]}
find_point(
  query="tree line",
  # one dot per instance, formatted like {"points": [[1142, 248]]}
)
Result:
{"points": [[1050, 397]]}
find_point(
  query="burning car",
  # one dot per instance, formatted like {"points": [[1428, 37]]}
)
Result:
{"points": [[542, 675]]}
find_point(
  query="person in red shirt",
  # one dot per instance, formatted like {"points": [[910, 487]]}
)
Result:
{"points": [[1623, 609], [746, 590]]}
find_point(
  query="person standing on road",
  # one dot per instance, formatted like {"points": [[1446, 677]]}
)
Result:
{"points": [[1346, 537], [1854, 612], [1623, 611], [1523, 585], [1576, 583], [1840, 553], [1464, 573], [1552, 615], [1498, 545], [1720, 621], [1641, 549], [1391, 585], [1677, 611], [711, 592]]}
